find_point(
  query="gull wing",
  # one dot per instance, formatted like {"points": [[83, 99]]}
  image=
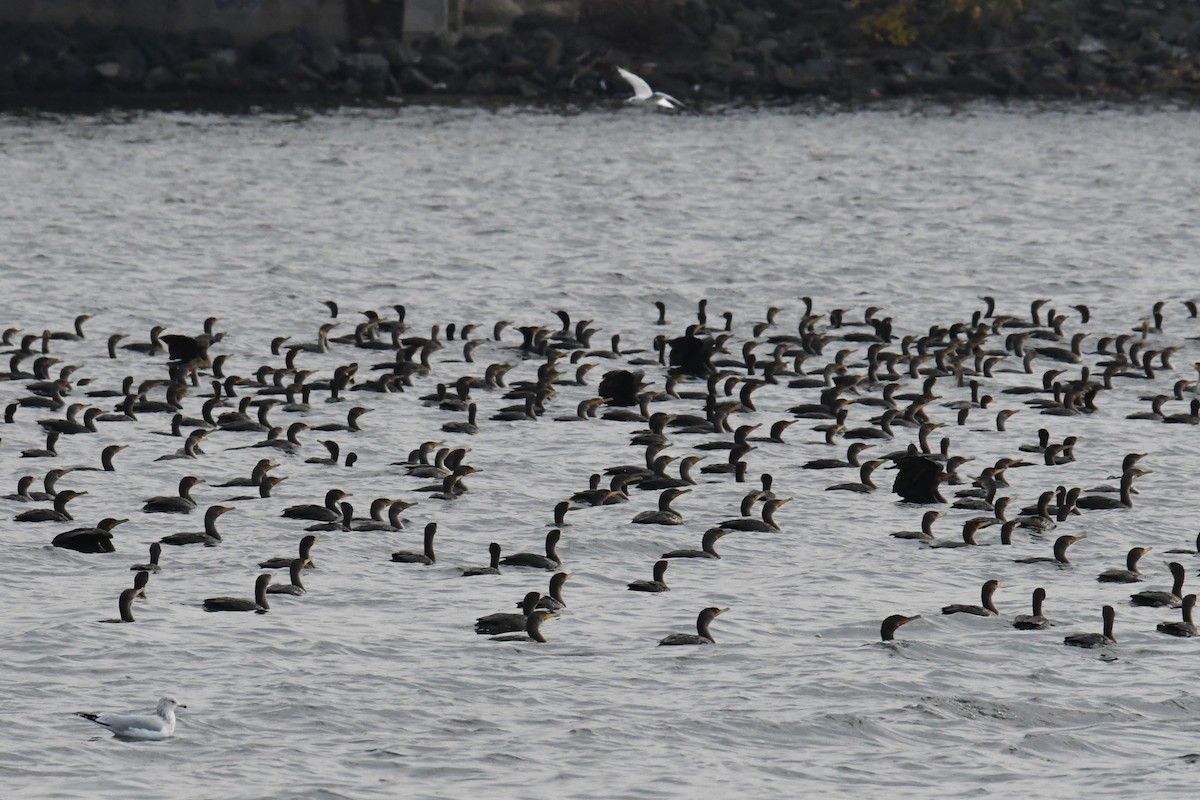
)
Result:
{"points": [[134, 726], [641, 89]]}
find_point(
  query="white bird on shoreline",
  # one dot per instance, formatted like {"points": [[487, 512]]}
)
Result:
{"points": [[642, 93], [159, 725]]}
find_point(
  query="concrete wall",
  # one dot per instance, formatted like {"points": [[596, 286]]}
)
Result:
{"points": [[433, 16], [247, 20]]}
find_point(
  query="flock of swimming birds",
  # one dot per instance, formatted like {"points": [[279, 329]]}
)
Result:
{"points": [[837, 365]]}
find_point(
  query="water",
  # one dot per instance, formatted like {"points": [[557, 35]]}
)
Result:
{"points": [[374, 685]]}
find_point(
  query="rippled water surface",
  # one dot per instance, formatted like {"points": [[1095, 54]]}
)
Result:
{"points": [[374, 684]]}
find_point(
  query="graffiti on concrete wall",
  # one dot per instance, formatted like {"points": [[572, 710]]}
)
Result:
{"points": [[237, 6]]}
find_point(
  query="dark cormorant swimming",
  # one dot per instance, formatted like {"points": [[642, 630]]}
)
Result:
{"points": [[209, 537], [549, 561], [1095, 639], [658, 584], [98, 540], [1036, 620], [179, 504], [507, 621], [1131, 573], [152, 566], [1184, 627], [707, 546], [702, 635], [887, 631], [554, 600], [330, 512], [426, 556], [296, 586], [57, 514], [306, 546], [1173, 598], [987, 607], [258, 605], [493, 568], [125, 605], [533, 628]]}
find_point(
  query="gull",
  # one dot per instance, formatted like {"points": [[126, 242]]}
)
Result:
{"points": [[159, 725], [642, 93]]}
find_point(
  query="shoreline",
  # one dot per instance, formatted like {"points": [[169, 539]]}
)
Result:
{"points": [[253, 104], [709, 53]]}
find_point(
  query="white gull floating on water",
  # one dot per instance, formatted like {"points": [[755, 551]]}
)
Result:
{"points": [[159, 725], [642, 93]]}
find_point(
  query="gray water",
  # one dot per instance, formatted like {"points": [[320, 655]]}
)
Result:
{"points": [[374, 684]]}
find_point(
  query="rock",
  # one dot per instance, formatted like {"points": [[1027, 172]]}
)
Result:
{"points": [[725, 36], [212, 72], [974, 82], [367, 68], [12, 55], [938, 65], [280, 52], [1178, 30], [767, 48], [74, 74], [48, 42], [1088, 73], [791, 80], [696, 16], [1008, 73], [34, 72], [1155, 51], [126, 67], [548, 48], [440, 68], [398, 53], [210, 40], [1050, 82], [160, 79], [263, 79], [518, 66], [717, 57], [857, 75], [169, 50], [325, 60], [702, 48], [413, 79], [717, 65], [741, 72], [364, 44], [108, 69], [528, 88], [1124, 77], [752, 24], [681, 42], [483, 83], [817, 71], [476, 56], [1090, 45]]}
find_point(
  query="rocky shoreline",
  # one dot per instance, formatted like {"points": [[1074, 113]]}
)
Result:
{"points": [[702, 51]]}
